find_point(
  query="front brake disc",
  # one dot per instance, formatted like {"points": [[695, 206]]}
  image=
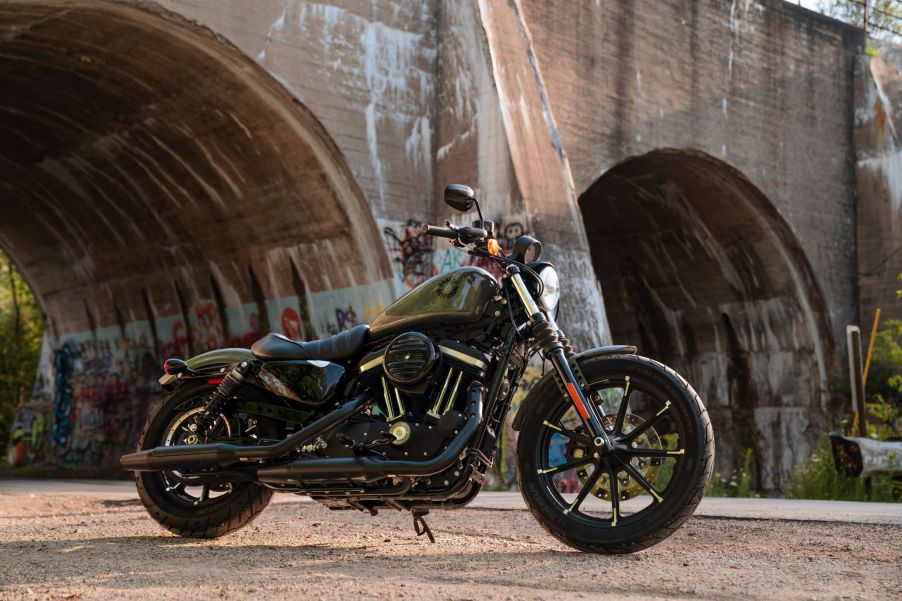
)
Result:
{"points": [[649, 467]]}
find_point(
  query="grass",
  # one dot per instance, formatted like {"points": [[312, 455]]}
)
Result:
{"points": [[818, 479]]}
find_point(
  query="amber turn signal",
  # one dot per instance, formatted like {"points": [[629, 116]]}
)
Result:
{"points": [[494, 247]]}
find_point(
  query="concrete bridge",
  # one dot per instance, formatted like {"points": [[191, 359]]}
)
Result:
{"points": [[718, 180]]}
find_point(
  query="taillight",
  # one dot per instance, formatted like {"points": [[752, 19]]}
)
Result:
{"points": [[173, 367]]}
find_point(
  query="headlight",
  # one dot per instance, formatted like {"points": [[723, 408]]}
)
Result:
{"points": [[552, 292]]}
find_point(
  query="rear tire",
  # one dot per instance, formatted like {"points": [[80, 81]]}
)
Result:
{"points": [[214, 517], [680, 492]]}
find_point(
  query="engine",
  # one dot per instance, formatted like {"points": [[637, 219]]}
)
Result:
{"points": [[422, 387]]}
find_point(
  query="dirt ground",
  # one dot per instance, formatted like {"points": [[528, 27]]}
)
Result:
{"points": [[82, 547]]}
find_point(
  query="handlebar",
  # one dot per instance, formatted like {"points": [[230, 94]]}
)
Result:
{"points": [[443, 232]]}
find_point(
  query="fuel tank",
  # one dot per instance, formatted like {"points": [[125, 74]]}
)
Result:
{"points": [[459, 297]]}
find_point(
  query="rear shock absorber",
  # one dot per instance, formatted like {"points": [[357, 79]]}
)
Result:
{"points": [[221, 397]]}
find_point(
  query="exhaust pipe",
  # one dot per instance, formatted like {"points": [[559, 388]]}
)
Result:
{"points": [[370, 469], [221, 455]]}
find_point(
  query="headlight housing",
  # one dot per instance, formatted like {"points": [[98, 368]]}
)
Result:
{"points": [[552, 291]]}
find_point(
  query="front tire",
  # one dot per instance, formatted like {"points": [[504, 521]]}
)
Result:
{"points": [[211, 513], [595, 502]]}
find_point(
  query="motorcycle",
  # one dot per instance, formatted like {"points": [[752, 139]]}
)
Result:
{"points": [[614, 450]]}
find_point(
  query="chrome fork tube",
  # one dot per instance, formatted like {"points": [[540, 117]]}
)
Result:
{"points": [[546, 332]]}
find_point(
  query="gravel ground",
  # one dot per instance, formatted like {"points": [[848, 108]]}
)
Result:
{"points": [[55, 546]]}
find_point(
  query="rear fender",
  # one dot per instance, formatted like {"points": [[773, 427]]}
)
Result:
{"points": [[549, 379], [210, 365]]}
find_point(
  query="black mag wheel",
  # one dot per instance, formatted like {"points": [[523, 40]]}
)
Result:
{"points": [[635, 495], [179, 502]]}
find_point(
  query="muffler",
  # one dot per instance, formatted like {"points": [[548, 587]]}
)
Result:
{"points": [[222, 455], [370, 469]]}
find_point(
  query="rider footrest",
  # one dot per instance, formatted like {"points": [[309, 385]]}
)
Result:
{"points": [[420, 526]]}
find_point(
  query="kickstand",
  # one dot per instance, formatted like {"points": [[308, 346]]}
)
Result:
{"points": [[420, 526]]}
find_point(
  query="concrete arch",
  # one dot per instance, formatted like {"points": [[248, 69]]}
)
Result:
{"points": [[162, 194], [700, 270], [141, 151]]}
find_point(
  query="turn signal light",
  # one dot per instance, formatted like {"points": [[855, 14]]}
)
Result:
{"points": [[493, 247]]}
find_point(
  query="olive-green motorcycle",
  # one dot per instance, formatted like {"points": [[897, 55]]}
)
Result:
{"points": [[614, 450]]}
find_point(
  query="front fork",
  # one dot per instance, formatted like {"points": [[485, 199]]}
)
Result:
{"points": [[546, 331]]}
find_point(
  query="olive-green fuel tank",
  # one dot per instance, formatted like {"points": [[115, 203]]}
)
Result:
{"points": [[459, 297]]}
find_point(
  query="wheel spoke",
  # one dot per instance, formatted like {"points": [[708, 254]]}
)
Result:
{"points": [[621, 411], [638, 477], [584, 491], [615, 497], [569, 433], [633, 434], [566, 466], [205, 494], [655, 452]]}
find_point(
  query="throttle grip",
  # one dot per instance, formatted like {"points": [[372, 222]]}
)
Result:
{"points": [[442, 232]]}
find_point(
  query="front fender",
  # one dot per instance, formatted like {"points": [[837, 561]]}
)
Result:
{"points": [[575, 361]]}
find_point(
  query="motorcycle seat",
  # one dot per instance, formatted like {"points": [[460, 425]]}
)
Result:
{"points": [[340, 347]]}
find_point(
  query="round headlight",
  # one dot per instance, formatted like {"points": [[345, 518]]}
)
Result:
{"points": [[552, 292]]}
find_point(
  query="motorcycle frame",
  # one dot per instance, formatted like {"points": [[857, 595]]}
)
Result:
{"points": [[510, 364]]}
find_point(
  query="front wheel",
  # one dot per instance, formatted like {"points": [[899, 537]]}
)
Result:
{"points": [[635, 495]]}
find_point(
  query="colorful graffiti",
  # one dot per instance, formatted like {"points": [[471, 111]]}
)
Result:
{"points": [[63, 399], [412, 251], [28, 438], [291, 323], [447, 259]]}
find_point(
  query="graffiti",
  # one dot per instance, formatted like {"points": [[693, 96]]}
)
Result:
{"points": [[345, 318], [291, 323], [178, 341], [63, 398], [28, 436], [503, 474], [448, 259], [95, 390], [413, 250], [252, 335], [207, 332]]}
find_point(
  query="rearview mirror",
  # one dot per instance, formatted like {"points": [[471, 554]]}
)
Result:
{"points": [[459, 197]]}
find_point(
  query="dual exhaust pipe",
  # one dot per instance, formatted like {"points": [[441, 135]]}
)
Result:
{"points": [[224, 456]]}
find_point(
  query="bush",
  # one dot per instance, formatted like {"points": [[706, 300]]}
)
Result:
{"points": [[21, 329], [739, 483], [818, 479]]}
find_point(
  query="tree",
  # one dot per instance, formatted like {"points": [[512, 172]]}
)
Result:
{"points": [[884, 17], [21, 330]]}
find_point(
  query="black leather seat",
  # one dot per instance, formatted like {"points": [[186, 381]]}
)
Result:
{"points": [[340, 347]]}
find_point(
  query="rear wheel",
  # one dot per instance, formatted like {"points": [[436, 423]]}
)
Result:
{"points": [[636, 495], [183, 504]]}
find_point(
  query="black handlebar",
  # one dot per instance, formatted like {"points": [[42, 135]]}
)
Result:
{"points": [[443, 232]]}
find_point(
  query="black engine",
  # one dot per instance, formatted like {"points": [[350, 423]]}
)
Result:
{"points": [[421, 385]]}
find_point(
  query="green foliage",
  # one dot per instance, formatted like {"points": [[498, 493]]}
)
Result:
{"points": [[885, 375], [21, 329], [884, 16], [818, 479], [739, 484]]}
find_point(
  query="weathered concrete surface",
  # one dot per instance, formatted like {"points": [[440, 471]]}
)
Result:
{"points": [[183, 175], [101, 547], [878, 170]]}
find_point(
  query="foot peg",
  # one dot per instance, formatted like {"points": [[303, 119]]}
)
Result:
{"points": [[420, 526]]}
